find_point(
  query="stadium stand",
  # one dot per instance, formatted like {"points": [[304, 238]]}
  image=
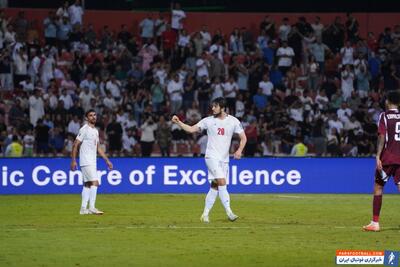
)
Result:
{"points": [[317, 82]]}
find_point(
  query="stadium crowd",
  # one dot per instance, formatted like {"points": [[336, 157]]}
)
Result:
{"points": [[299, 87]]}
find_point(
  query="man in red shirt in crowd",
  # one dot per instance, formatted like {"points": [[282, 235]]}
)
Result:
{"points": [[168, 41]]}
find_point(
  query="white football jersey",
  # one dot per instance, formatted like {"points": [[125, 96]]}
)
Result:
{"points": [[220, 135], [88, 152]]}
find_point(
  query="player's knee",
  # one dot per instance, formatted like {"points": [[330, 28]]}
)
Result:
{"points": [[378, 189]]}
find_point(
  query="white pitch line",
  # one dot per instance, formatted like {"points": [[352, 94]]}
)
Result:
{"points": [[23, 229], [188, 227], [100, 228], [287, 196]]}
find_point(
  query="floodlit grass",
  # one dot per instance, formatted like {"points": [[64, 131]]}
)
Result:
{"points": [[164, 230]]}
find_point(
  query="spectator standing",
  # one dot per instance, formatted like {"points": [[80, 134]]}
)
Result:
{"points": [[164, 136], [36, 107], [147, 138], [177, 16], [76, 13]]}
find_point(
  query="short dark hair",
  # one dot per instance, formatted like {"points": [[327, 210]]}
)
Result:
{"points": [[220, 101], [89, 111], [393, 97]]}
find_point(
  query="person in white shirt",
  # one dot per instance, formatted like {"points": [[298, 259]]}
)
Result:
{"points": [[205, 36], [34, 66], [240, 107], [230, 90], [220, 128], [74, 125], [284, 29], [20, 65], [344, 112], [202, 66], [63, 11], [266, 85], [87, 142], [202, 142], [217, 88], [47, 70], [347, 54], [85, 96], [285, 55], [318, 27], [128, 142], [175, 91], [27, 84], [114, 86], [67, 99], [334, 122], [347, 83], [75, 13], [147, 28], [147, 138], [36, 107], [177, 17]]}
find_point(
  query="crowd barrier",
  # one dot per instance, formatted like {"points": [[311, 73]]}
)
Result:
{"points": [[189, 175]]}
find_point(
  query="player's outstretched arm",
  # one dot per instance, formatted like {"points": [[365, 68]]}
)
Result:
{"points": [[104, 156], [243, 141], [74, 152], [184, 126]]}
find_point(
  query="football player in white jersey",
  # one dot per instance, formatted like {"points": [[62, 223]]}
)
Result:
{"points": [[220, 128], [88, 140]]}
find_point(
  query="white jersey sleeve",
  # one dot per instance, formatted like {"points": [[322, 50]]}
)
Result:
{"points": [[238, 128], [203, 124], [81, 134]]}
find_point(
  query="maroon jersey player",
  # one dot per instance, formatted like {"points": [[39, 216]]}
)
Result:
{"points": [[388, 154]]}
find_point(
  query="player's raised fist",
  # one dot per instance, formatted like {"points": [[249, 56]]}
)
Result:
{"points": [[175, 119]]}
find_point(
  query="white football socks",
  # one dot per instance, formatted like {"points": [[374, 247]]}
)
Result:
{"points": [[85, 197], [93, 193], [210, 200], [225, 199]]}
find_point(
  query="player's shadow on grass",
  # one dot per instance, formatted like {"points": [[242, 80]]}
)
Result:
{"points": [[390, 229]]}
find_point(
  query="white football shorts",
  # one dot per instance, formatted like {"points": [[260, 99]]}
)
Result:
{"points": [[89, 173], [217, 169]]}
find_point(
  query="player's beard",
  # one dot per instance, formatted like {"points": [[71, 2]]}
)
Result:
{"points": [[216, 115]]}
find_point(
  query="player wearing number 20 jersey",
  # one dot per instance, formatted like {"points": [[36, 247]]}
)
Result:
{"points": [[387, 156], [220, 128]]}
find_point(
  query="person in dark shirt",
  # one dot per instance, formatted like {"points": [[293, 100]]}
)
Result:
{"points": [[114, 133], [76, 110], [388, 154], [124, 35], [56, 141], [42, 137]]}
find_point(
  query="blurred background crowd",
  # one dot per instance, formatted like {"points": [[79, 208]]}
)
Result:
{"points": [[299, 87]]}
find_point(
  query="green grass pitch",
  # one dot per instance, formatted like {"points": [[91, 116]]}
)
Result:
{"points": [[164, 230]]}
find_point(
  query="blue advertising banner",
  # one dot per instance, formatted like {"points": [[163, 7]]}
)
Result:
{"points": [[189, 175]]}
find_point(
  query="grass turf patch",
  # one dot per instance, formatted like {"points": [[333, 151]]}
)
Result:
{"points": [[164, 230]]}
